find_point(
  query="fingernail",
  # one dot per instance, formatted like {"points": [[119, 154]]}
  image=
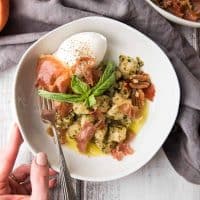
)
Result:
{"points": [[41, 159]]}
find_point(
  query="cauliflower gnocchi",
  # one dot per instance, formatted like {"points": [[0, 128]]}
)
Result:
{"points": [[102, 114]]}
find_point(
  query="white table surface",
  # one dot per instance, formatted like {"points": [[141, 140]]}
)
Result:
{"points": [[155, 181]]}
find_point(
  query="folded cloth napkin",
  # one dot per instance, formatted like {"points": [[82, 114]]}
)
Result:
{"points": [[31, 19]]}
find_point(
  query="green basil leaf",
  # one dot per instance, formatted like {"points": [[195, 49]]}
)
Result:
{"points": [[61, 97], [91, 101], [78, 86], [110, 67], [104, 86]]}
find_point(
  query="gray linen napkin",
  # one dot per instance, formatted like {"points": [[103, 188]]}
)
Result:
{"points": [[31, 19]]}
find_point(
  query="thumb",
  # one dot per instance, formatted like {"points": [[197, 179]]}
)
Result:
{"points": [[40, 177]]}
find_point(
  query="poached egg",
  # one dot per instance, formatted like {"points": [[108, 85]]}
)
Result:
{"points": [[86, 44]]}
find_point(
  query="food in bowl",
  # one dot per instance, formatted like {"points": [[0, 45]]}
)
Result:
{"points": [[187, 9], [100, 106]]}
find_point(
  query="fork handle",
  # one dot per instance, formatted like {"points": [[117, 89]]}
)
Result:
{"points": [[67, 187]]}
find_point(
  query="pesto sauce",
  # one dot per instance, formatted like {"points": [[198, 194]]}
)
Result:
{"points": [[93, 150]]}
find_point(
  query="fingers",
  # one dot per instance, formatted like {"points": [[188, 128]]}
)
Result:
{"points": [[40, 177], [52, 183], [9, 155], [16, 188], [22, 172], [52, 172]]}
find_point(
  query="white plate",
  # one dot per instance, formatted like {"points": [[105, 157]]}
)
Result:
{"points": [[172, 17], [122, 39]]}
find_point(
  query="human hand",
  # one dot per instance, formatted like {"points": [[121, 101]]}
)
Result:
{"points": [[13, 185]]}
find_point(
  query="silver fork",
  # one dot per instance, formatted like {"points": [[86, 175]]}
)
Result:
{"points": [[48, 116]]}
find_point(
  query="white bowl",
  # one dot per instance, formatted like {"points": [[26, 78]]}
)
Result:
{"points": [[122, 39], [173, 17]]}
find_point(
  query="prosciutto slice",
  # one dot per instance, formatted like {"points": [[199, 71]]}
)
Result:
{"points": [[85, 68], [121, 150], [63, 109], [85, 135], [128, 109], [52, 74]]}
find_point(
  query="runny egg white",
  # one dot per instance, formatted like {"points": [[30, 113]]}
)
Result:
{"points": [[85, 44]]}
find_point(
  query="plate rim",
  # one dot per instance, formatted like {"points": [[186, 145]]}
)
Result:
{"points": [[31, 148], [172, 17]]}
